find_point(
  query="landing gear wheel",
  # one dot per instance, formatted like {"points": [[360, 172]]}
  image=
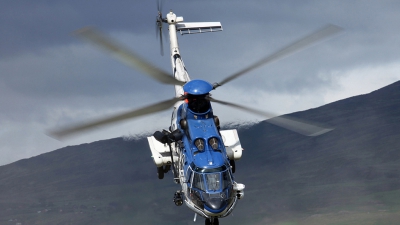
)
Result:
{"points": [[167, 168], [160, 172], [212, 221]]}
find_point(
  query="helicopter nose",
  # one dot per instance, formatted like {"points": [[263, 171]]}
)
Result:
{"points": [[215, 203]]}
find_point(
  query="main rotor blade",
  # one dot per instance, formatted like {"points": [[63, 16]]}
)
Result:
{"points": [[128, 57], [313, 38], [59, 134], [281, 121], [159, 5], [161, 42]]}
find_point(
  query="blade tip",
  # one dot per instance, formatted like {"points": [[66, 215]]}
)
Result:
{"points": [[54, 134], [326, 130], [83, 31]]}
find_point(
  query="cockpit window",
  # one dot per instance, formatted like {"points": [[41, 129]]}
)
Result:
{"points": [[213, 191], [213, 181], [198, 181], [226, 179], [216, 181]]}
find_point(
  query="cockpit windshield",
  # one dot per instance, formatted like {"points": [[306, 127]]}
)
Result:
{"points": [[212, 189], [211, 181], [198, 181]]}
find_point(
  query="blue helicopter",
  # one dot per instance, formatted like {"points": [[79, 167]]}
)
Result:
{"points": [[200, 155]]}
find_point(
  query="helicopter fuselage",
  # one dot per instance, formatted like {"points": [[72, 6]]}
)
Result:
{"points": [[201, 157]]}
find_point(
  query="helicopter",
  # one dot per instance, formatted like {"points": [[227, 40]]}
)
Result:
{"points": [[199, 153]]}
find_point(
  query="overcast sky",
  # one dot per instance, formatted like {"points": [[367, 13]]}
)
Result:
{"points": [[51, 79]]}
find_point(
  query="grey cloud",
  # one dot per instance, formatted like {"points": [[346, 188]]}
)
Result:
{"points": [[52, 78], [32, 25]]}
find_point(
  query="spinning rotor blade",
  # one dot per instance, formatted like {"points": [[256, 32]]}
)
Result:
{"points": [[281, 121], [159, 36], [159, 5], [59, 134], [313, 38], [159, 23], [128, 57]]}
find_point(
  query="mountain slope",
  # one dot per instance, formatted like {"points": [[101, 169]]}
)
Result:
{"points": [[347, 176], [355, 166]]}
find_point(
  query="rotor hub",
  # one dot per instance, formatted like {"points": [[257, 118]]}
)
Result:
{"points": [[197, 87]]}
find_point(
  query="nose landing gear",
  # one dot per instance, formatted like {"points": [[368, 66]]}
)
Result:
{"points": [[212, 221]]}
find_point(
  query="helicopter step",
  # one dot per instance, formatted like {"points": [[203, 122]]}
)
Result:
{"points": [[178, 200]]}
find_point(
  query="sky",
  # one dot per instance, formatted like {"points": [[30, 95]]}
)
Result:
{"points": [[51, 79]]}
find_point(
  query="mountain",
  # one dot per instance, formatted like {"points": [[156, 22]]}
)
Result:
{"points": [[347, 176]]}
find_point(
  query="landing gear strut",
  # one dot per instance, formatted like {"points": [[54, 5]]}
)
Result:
{"points": [[233, 165], [212, 221]]}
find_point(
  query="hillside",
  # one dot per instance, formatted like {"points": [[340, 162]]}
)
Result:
{"points": [[347, 176], [350, 174]]}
